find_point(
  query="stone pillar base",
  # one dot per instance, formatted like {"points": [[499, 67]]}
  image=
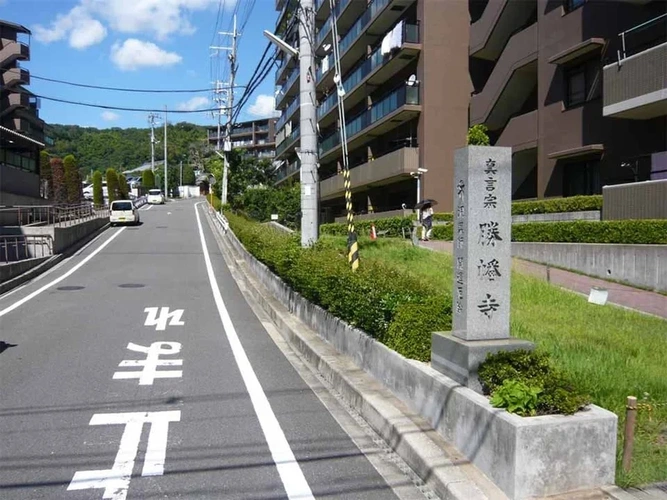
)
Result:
{"points": [[459, 359]]}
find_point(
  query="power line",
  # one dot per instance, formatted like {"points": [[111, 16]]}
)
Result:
{"points": [[119, 89], [250, 89]]}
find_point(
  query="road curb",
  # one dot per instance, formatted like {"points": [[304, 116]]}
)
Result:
{"points": [[435, 461], [50, 263]]}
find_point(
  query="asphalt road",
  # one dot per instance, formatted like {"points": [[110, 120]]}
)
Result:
{"points": [[204, 403]]}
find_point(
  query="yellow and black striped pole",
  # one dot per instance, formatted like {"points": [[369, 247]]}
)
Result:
{"points": [[352, 244]]}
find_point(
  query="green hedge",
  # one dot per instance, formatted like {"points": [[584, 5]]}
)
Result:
{"points": [[390, 305], [630, 232], [394, 225], [557, 205]]}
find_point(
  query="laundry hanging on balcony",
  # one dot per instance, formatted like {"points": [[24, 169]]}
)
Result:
{"points": [[393, 39], [325, 64]]}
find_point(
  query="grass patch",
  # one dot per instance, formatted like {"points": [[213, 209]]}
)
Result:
{"points": [[612, 352]]}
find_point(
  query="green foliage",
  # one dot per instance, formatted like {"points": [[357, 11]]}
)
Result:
{"points": [[112, 185], [72, 180], [516, 397], [637, 232], [260, 203], [477, 135], [245, 172], [45, 174], [189, 178], [98, 192], [122, 187], [556, 205], [395, 226], [369, 299], [148, 179], [58, 176], [214, 201], [443, 232], [557, 394], [443, 216], [125, 148]]}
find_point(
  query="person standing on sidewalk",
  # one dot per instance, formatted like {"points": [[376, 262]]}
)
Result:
{"points": [[427, 222]]}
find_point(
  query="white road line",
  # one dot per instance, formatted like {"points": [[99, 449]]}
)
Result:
{"points": [[290, 472], [148, 207], [58, 280]]}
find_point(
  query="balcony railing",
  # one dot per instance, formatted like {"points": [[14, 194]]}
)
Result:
{"points": [[263, 128], [388, 104], [241, 130], [287, 170], [287, 114], [366, 67], [326, 28], [290, 81], [288, 140], [643, 37], [355, 31]]}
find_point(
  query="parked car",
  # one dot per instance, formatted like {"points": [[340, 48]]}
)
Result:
{"points": [[123, 212], [155, 197]]}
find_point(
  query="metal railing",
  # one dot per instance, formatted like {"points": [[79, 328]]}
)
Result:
{"points": [[642, 37], [50, 215], [14, 248]]}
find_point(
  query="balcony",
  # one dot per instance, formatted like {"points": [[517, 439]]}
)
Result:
{"points": [[15, 76], [520, 132], [289, 143], [13, 51], [374, 70], [289, 88], [322, 10], [386, 169], [490, 33], [242, 131], [346, 12], [17, 100], [288, 113], [512, 80], [286, 171], [288, 62], [635, 86], [397, 107], [372, 25]]}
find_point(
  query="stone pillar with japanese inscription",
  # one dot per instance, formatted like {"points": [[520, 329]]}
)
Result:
{"points": [[482, 265]]}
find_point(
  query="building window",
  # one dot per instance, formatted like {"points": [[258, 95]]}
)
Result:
{"points": [[570, 5], [582, 83], [582, 178]]}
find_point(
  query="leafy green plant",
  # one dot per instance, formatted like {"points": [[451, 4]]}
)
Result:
{"points": [[636, 232], [516, 397], [557, 205], [148, 179], [58, 177], [98, 192], [122, 186], [72, 182], [112, 185], [477, 135], [394, 225]]}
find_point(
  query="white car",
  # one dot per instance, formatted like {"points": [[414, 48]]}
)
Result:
{"points": [[155, 197], [123, 212]]}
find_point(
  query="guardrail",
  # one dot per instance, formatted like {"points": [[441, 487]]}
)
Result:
{"points": [[18, 247], [219, 218], [50, 215], [140, 201]]}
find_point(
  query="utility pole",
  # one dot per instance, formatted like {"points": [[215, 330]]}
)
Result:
{"points": [[308, 124], [181, 172], [229, 91], [152, 117], [165, 152]]}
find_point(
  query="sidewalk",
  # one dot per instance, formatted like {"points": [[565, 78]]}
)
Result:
{"points": [[622, 295]]}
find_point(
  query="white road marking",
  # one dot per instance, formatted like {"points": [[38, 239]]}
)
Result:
{"points": [[290, 472], [148, 375], [61, 278], [116, 481], [160, 322], [148, 207]]}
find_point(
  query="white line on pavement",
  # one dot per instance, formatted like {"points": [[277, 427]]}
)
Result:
{"points": [[148, 207], [290, 472], [58, 280]]}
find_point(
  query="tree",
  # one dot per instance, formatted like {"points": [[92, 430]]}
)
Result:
{"points": [[98, 192], [246, 171], [122, 187], [58, 176], [45, 175], [477, 135], [189, 176], [71, 179], [112, 185], [148, 179]]}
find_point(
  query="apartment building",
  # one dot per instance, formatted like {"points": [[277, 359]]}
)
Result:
{"points": [[405, 72], [21, 129], [256, 137], [577, 88]]}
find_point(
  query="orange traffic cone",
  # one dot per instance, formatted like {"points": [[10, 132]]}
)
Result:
{"points": [[374, 235]]}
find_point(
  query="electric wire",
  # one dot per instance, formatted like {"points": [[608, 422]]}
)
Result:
{"points": [[119, 89]]}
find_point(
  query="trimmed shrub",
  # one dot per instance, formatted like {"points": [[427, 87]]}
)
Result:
{"points": [[557, 205], [71, 179], [45, 174], [122, 187], [444, 232], [510, 377], [98, 192], [147, 179], [58, 177], [395, 226], [112, 185], [628, 232]]}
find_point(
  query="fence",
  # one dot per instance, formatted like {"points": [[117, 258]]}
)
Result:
{"points": [[56, 215], [19, 247], [637, 200]]}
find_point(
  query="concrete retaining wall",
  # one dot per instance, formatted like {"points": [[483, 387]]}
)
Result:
{"points": [[14, 269], [557, 217], [638, 265], [64, 237], [525, 457]]}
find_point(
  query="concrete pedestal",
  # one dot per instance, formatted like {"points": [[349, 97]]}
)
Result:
{"points": [[459, 359]]}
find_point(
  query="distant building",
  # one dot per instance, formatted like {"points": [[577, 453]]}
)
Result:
{"points": [[257, 137], [21, 130]]}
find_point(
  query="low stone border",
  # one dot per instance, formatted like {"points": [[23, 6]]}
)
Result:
{"points": [[525, 457]]}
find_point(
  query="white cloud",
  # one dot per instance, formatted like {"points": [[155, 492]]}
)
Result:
{"points": [[193, 104], [156, 18], [264, 106], [134, 54], [110, 116]]}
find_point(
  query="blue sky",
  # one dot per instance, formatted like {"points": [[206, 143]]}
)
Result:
{"points": [[143, 44]]}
